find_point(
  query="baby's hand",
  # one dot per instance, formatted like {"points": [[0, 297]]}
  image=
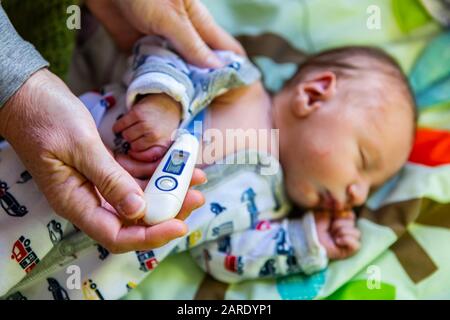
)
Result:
{"points": [[149, 125], [338, 233]]}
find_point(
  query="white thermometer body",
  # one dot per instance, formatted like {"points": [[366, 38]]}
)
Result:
{"points": [[170, 182]]}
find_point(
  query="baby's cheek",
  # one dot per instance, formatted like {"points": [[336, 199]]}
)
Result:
{"points": [[317, 158], [329, 167], [321, 149], [301, 191], [311, 168]]}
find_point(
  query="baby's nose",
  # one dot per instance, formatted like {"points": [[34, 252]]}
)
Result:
{"points": [[357, 194]]}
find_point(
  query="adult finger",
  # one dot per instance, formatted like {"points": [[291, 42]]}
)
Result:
{"points": [[194, 199], [106, 228], [186, 40], [213, 35], [114, 183]]}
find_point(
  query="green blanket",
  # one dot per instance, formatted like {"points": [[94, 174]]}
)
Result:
{"points": [[405, 225]]}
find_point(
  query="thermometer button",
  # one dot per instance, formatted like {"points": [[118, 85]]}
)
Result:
{"points": [[166, 183]]}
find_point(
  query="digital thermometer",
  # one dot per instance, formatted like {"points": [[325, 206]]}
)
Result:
{"points": [[170, 182]]}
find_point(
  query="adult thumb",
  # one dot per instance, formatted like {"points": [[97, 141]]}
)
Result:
{"points": [[115, 184], [190, 44]]}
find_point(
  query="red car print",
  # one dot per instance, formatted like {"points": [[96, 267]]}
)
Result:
{"points": [[263, 225], [24, 255], [109, 101], [147, 260], [234, 264]]}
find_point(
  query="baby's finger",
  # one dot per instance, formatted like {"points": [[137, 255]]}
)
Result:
{"points": [[146, 142], [152, 154], [341, 223], [351, 231], [135, 132], [137, 169], [124, 122], [349, 242]]}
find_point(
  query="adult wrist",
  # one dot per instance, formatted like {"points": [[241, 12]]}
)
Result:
{"points": [[13, 107]]}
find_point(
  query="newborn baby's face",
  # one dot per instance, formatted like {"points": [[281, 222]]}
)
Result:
{"points": [[351, 141]]}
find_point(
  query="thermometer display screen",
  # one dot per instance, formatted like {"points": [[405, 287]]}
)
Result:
{"points": [[176, 162]]}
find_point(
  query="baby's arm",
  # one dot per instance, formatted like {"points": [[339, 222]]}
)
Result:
{"points": [[287, 247], [281, 248], [158, 98], [158, 70]]}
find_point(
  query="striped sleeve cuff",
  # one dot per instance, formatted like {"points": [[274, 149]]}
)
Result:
{"points": [[310, 254]]}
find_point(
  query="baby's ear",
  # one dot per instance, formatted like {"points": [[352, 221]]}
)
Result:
{"points": [[310, 94]]}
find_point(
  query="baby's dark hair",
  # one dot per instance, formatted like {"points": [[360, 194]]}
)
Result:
{"points": [[344, 62]]}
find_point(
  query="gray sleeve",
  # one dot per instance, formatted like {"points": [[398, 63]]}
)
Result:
{"points": [[18, 59]]}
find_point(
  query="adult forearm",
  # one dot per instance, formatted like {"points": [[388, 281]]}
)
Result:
{"points": [[18, 59]]}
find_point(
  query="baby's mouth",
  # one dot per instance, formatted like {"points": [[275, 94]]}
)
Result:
{"points": [[328, 201]]}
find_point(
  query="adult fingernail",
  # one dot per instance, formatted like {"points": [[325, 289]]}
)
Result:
{"points": [[201, 203], [132, 206], [183, 230], [203, 177]]}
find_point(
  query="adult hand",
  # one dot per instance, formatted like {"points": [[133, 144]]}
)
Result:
{"points": [[187, 24], [55, 137]]}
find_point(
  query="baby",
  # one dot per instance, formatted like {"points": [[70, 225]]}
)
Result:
{"points": [[346, 124]]}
